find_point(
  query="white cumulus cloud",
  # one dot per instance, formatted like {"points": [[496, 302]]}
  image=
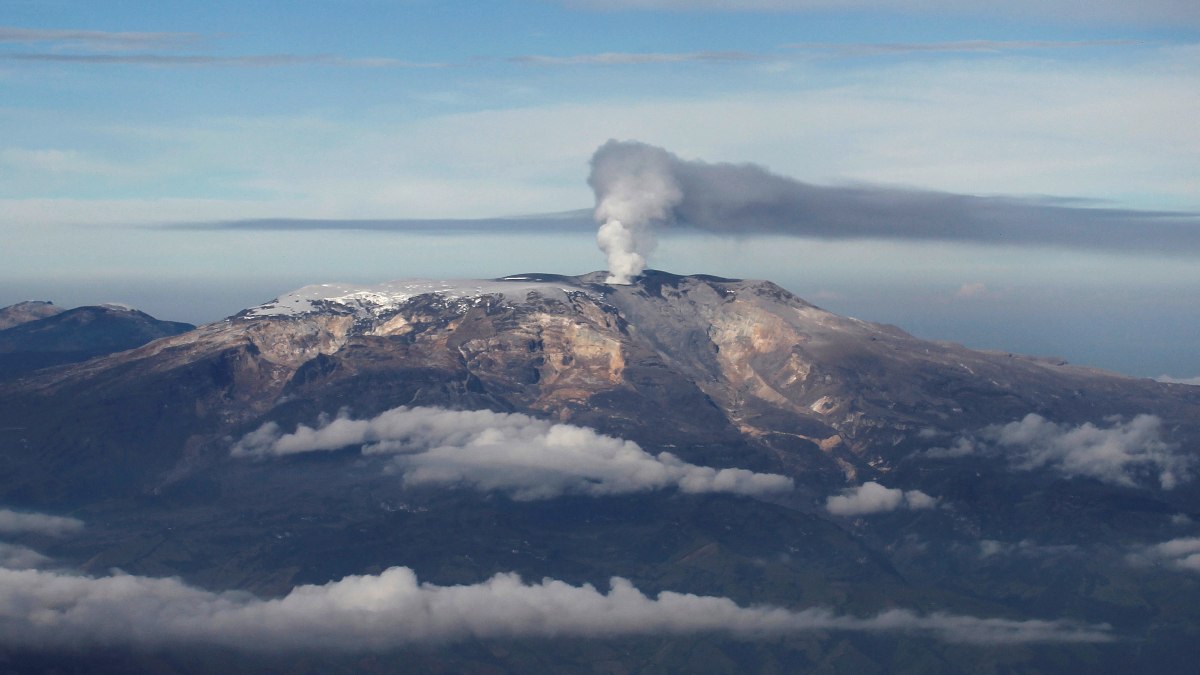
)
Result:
{"points": [[47, 610], [526, 457], [871, 497], [1181, 553], [1122, 453], [1114, 454]]}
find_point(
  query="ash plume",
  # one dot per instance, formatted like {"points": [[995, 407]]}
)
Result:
{"points": [[640, 188], [635, 190]]}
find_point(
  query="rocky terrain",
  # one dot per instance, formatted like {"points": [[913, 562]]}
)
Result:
{"points": [[320, 435]]}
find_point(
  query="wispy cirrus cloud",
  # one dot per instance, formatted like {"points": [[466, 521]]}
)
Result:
{"points": [[960, 127], [242, 61], [636, 58], [816, 48], [97, 39], [1089, 11], [951, 47], [118, 48], [47, 610], [580, 220]]}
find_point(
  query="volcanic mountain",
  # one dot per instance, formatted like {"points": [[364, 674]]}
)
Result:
{"points": [[809, 458]]}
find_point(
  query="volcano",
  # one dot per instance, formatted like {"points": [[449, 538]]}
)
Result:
{"points": [[389, 425]]}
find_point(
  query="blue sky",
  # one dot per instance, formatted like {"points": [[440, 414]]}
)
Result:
{"points": [[119, 117]]}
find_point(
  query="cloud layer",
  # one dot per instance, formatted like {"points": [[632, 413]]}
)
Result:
{"points": [[242, 61], [526, 457], [633, 58], [130, 48], [15, 522], [1172, 12], [16, 557], [1179, 380], [42, 609], [1182, 553], [95, 39], [1123, 453], [953, 47], [871, 497]]}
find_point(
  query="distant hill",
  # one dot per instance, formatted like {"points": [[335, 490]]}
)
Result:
{"points": [[35, 335], [24, 312]]}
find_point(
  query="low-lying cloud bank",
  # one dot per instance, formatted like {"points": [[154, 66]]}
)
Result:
{"points": [[1179, 380], [871, 497], [47, 610], [1028, 548], [1123, 453], [526, 457], [15, 522], [16, 557], [1182, 553]]}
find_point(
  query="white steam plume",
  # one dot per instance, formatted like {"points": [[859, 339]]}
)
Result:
{"points": [[635, 188]]}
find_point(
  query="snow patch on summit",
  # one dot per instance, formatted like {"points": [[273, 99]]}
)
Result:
{"points": [[390, 296]]}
